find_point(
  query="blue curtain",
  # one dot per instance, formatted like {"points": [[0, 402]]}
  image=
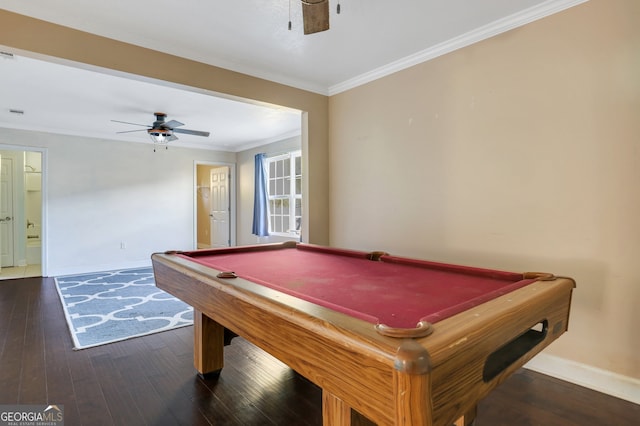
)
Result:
{"points": [[260, 199]]}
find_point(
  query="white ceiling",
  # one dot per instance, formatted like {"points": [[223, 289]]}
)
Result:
{"points": [[368, 39]]}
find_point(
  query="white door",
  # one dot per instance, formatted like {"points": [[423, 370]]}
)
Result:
{"points": [[6, 212], [219, 202]]}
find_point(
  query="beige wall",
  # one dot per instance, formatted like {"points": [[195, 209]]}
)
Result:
{"points": [[31, 35], [521, 152]]}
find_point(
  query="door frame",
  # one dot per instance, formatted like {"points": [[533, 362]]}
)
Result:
{"points": [[232, 198], [15, 188], [222, 180], [43, 194]]}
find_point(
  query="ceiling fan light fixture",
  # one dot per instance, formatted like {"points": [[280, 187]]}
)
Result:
{"points": [[160, 136], [162, 132]]}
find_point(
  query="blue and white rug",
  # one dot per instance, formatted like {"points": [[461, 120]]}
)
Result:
{"points": [[106, 307]]}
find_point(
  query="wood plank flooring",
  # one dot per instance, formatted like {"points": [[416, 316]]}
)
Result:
{"points": [[150, 380]]}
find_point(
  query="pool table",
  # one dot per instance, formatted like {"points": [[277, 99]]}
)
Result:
{"points": [[400, 341]]}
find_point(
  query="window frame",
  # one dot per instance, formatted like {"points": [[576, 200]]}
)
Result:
{"points": [[292, 195]]}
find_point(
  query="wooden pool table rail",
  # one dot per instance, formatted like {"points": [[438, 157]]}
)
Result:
{"points": [[356, 367]]}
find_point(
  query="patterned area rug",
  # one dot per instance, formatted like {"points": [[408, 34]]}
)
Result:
{"points": [[107, 307]]}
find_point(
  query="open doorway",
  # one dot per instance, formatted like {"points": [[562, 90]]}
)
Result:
{"points": [[21, 217], [215, 205]]}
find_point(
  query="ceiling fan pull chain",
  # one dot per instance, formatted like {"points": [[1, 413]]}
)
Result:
{"points": [[338, 8], [289, 15]]}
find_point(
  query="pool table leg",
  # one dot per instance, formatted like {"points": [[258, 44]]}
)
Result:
{"points": [[335, 412], [468, 419], [208, 345]]}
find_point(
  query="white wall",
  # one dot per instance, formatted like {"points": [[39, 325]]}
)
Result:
{"points": [[101, 193], [246, 165]]}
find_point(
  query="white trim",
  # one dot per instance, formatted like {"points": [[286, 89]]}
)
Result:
{"points": [[292, 196], [487, 31], [254, 144], [105, 267], [232, 201], [610, 383]]}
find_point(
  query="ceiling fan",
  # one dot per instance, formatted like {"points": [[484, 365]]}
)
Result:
{"points": [[161, 131]]}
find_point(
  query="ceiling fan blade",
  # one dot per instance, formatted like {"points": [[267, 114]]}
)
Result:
{"points": [[126, 122], [191, 132], [131, 131], [172, 138], [173, 123]]}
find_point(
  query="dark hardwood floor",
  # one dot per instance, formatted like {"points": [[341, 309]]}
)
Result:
{"points": [[150, 380]]}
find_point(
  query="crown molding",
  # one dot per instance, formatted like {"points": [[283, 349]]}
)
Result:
{"points": [[519, 19]]}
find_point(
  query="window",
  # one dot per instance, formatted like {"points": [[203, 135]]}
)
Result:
{"points": [[285, 193]]}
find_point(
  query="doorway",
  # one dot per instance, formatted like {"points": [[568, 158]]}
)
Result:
{"points": [[215, 205], [21, 213]]}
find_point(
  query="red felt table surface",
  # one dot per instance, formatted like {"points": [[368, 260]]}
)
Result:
{"points": [[394, 291]]}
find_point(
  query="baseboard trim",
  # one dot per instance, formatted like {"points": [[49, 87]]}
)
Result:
{"points": [[597, 379], [77, 270]]}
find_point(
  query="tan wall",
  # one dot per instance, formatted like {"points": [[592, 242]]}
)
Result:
{"points": [[521, 152], [31, 35]]}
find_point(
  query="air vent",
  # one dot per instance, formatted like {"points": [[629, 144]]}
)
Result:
{"points": [[6, 55], [16, 111]]}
